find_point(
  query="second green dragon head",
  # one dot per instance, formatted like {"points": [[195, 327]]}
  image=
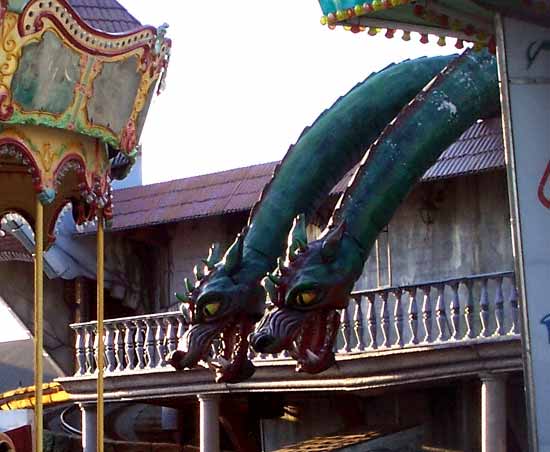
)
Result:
{"points": [[307, 290]]}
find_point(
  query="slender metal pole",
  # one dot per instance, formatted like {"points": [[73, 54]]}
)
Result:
{"points": [[100, 341], [38, 324], [515, 221]]}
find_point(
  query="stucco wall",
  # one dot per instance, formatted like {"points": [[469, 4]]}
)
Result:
{"points": [[470, 233], [189, 243], [17, 288]]}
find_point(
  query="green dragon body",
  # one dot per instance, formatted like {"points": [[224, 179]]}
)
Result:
{"points": [[228, 298], [318, 278]]}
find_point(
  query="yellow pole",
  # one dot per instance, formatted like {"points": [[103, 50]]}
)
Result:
{"points": [[38, 323], [100, 342]]}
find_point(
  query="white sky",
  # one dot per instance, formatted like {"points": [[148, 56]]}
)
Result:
{"points": [[11, 328], [247, 76]]}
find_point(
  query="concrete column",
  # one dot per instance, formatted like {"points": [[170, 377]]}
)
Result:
{"points": [[493, 413], [209, 422], [89, 424]]}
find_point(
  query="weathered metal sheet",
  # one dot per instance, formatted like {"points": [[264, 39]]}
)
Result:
{"points": [[106, 15]]}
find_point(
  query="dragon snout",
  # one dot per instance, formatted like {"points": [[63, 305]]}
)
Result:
{"points": [[262, 341]]}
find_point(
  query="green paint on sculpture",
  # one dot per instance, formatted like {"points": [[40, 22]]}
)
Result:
{"points": [[316, 281], [229, 297]]}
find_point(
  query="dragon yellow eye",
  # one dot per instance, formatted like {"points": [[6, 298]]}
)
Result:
{"points": [[306, 297], [211, 308]]}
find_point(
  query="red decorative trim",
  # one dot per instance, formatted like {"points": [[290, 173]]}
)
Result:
{"points": [[82, 211], [6, 108], [115, 43], [53, 221], [128, 139], [81, 171], [543, 198], [35, 170], [3, 10]]}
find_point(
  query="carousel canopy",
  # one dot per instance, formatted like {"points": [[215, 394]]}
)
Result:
{"points": [[465, 20], [73, 99]]}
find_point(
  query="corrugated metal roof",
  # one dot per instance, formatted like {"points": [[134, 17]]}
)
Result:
{"points": [[12, 250], [480, 148], [106, 15]]}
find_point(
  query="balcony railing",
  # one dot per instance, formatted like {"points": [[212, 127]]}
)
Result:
{"points": [[452, 311]]}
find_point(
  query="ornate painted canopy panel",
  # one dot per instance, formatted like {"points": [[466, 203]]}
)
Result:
{"points": [[57, 71], [465, 20], [72, 99]]}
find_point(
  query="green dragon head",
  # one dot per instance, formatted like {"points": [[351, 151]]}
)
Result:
{"points": [[307, 290], [224, 307]]}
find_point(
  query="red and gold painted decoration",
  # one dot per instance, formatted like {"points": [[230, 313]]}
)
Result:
{"points": [[61, 167], [72, 98]]}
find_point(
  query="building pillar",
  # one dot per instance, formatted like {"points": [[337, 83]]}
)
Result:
{"points": [[493, 413], [209, 422], [89, 426]]}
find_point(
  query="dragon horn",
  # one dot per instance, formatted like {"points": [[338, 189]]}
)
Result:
{"points": [[233, 256], [331, 244], [184, 297], [275, 280], [199, 272], [214, 256], [297, 240], [270, 288], [188, 285], [298, 232], [281, 266]]}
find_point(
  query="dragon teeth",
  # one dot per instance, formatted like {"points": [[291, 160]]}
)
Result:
{"points": [[312, 356], [224, 362]]}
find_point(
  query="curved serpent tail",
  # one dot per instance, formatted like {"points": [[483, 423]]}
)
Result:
{"points": [[329, 148]]}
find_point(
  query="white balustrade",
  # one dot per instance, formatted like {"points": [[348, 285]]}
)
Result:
{"points": [[453, 311], [131, 343]]}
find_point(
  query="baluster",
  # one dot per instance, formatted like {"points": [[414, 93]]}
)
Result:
{"points": [[513, 300], [398, 316], [358, 324], [371, 322], [90, 354], [140, 341], [182, 326], [441, 314], [172, 340], [150, 343], [345, 322], [499, 308], [455, 311], [80, 350], [129, 345], [413, 316], [110, 347], [96, 348], [385, 319], [469, 310], [484, 308], [427, 314], [161, 346], [119, 344]]}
